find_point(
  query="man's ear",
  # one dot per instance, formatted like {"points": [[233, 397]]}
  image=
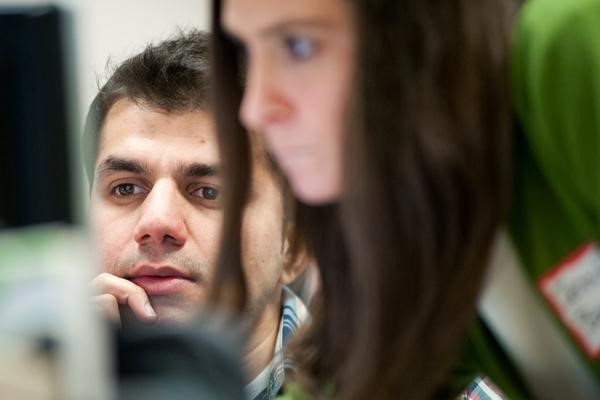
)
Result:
{"points": [[295, 256], [295, 262]]}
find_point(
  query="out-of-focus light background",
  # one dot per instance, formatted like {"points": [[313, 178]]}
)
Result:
{"points": [[118, 29]]}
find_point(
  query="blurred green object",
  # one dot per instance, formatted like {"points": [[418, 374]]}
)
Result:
{"points": [[556, 85], [555, 71], [556, 78]]}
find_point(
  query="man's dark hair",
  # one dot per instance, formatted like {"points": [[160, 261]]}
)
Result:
{"points": [[171, 76]]}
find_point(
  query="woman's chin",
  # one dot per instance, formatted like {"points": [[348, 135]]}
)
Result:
{"points": [[315, 191]]}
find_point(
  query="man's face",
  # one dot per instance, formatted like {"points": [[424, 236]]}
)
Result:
{"points": [[156, 216]]}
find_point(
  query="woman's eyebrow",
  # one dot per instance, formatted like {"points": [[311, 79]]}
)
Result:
{"points": [[286, 25]]}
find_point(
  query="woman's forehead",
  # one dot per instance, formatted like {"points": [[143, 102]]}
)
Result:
{"points": [[266, 17]]}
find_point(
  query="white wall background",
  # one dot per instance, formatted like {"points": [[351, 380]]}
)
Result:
{"points": [[120, 28], [115, 29]]}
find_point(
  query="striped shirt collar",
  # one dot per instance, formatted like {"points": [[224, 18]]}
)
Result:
{"points": [[269, 382]]}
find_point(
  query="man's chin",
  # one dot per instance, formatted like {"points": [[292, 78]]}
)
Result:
{"points": [[174, 311], [168, 311]]}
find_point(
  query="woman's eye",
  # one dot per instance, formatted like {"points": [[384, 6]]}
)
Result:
{"points": [[300, 48], [126, 189], [207, 193]]}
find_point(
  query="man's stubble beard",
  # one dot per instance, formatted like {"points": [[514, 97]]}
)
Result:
{"points": [[126, 263]]}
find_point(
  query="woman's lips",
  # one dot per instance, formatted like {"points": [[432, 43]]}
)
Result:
{"points": [[156, 285]]}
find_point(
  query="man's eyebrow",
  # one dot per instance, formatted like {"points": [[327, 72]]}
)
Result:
{"points": [[116, 164], [199, 170]]}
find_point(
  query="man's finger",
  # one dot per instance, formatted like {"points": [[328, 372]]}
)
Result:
{"points": [[109, 306], [126, 293]]}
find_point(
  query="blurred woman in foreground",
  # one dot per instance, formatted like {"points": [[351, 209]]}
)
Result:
{"points": [[390, 121]]}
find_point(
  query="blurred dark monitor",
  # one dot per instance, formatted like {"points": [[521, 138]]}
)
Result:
{"points": [[34, 153]]}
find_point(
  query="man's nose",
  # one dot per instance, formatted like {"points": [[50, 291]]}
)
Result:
{"points": [[264, 101], [162, 222]]}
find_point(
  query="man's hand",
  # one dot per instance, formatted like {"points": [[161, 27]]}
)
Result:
{"points": [[117, 291]]}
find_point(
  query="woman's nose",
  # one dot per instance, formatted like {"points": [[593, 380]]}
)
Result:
{"points": [[264, 102]]}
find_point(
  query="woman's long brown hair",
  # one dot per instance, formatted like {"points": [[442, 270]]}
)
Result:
{"points": [[402, 255]]}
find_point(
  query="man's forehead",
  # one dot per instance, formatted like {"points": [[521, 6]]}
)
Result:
{"points": [[127, 117], [135, 135], [127, 121]]}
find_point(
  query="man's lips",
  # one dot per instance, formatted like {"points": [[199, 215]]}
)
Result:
{"points": [[160, 281]]}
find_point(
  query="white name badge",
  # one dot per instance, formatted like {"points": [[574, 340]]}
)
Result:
{"points": [[573, 290]]}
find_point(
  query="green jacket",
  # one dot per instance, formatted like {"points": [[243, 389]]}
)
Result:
{"points": [[555, 71]]}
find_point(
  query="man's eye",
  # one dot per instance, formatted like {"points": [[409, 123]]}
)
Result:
{"points": [[300, 48], [207, 193], [126, 189]]}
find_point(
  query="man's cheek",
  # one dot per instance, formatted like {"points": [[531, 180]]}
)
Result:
{"points": [[109, 253], [106, 263]]}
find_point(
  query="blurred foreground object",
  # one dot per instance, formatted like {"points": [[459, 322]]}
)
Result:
{"points": [[178, 363], [52, 345]]}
